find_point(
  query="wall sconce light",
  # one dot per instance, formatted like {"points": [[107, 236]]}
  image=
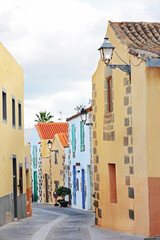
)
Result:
{"points": [[49, 143], [106, 52], [56, 151], [84, 117]]}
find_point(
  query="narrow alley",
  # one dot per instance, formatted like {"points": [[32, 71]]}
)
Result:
{"points": [[49, 222]]}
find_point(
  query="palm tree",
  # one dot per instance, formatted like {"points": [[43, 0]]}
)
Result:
{"points": [[43, 116]]}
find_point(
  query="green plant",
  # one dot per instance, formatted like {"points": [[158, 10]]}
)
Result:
{"points": [[94, 195], [94, 203], [44, 117], [62, 192]]}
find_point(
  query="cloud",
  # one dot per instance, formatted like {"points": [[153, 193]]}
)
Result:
{"points": [[56, 42], [63, 101]]}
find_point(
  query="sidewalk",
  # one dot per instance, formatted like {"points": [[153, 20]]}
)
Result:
{"points": [[97, 233]]}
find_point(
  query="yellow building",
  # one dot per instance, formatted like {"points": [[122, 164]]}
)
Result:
{"points": [[53, 169], [44, 182], [126, 131], [12, 159]]}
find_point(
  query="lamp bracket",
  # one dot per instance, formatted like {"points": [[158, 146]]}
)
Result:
{"points": [[89, 124], [124, 68]]}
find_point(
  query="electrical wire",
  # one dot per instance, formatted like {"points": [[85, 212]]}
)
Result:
{"points": [[135, 65], [120, 57]]}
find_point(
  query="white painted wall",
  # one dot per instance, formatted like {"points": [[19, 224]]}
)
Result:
{"points": [[34, 140], [84, 159]]}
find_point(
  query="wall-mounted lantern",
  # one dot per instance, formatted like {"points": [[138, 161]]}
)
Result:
{"points": [[49, 143], [106, 52], [84, 117]]}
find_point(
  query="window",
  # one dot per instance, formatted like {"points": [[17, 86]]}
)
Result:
{"points": [[19, 115], [56, 184], [4, 106], [34, 156], [77, 184], [13, 113], [108, 96], [82, 136], [20, 178], [109, 87], [56, 158], [112, 179], [73, 139]]}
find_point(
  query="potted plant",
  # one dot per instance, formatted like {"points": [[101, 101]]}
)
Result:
{"points": [[62, 192]]}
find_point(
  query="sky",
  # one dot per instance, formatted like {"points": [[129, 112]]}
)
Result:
{"points": [[56, 42]]}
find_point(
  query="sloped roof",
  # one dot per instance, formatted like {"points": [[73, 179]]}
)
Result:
{"points": [[142, 38], [89, 109], [48, 130], [63, 137]]}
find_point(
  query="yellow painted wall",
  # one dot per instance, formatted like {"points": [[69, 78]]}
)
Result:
{"points": [[153, 121], [12, 140], [50, 168], [44, 147], [57, 169], [116, 215], [45, 166]]}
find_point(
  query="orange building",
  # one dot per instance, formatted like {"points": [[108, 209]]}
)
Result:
{"points": [[126, 132]]}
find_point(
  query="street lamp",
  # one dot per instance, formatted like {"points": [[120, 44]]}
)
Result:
{"points": [[84, 117], [106, 52], [49, 143]]}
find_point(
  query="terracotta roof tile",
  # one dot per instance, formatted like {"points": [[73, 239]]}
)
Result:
{"points": [[142, 38], [63, 137], [48, 130]]}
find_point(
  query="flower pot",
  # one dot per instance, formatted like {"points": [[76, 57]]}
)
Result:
{"points": [[63, 203]]}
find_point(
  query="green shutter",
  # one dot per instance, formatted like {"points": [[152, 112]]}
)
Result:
{"points": [[35, 186], [73, 138], [34, 156], [82, 136]]}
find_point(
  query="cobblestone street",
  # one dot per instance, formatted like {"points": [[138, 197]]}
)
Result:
{"points": [[49, 222]]}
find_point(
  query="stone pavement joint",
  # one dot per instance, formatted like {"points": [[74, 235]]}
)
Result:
{"points": [[42, 233]]}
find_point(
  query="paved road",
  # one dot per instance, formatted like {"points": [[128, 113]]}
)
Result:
{"points": [[49, 222]]}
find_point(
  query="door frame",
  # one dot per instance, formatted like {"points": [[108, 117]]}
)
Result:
{"points": [[14, 171], [83, 188], [74, 185], [89, 187], [46, 184]]}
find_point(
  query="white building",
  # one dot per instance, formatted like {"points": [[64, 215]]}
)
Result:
{"points": [[78, 160], [36, 163]]}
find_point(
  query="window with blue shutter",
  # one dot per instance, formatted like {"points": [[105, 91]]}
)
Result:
{"points": [[73, 139], [82, 136]]}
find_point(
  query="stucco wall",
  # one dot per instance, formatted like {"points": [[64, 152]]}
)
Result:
{"points": [[12, 142], [120, 138], [83, 158]]}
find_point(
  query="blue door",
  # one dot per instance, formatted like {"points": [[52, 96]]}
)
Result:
{"points": [[83, 189], [74, 184]]}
